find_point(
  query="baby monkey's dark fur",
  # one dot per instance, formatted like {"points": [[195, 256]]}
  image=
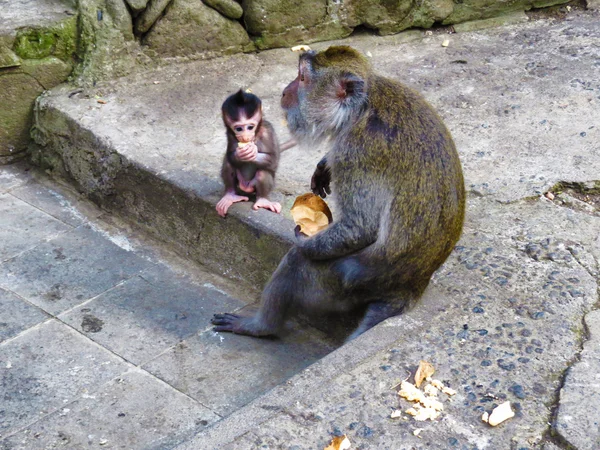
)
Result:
{"points": [[399, 192]]}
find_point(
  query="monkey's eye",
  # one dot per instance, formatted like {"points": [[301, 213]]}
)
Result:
{"points": [[239, 129], [250, 127]]}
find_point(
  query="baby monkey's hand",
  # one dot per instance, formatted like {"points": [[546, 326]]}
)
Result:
{"points": [[247, 151]]}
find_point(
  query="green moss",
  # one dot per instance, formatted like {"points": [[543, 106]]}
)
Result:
{"points": [[58, 40]]}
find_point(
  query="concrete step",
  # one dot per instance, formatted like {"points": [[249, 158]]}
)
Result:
{"points": [[106, 340]]}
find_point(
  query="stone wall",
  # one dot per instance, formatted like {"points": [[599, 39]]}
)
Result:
{"points": [[36, 53]]}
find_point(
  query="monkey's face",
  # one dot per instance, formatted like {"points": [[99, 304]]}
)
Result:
{"points": [[326, 96], [244, 127]]}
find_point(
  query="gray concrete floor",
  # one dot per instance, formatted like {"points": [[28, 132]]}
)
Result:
{"points": [[105, 338]]}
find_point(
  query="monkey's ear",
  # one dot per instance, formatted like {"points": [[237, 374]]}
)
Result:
{"points": [[350, 87]]}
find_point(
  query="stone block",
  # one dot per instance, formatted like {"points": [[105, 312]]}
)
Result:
{"points": [[275, 16], [229, 8], [146, 315], [7, 57], [45, 369], [22, 227], [48, 72], [134, 410], [17, 315], [70, 269], [65, 209], [18, 92], [190, 27]]}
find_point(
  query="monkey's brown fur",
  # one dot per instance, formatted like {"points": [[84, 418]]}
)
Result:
{"points": [[399, 190]]}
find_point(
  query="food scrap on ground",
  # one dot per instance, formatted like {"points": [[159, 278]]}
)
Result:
{"points": [[426, 404], [301, 48], [339, 443], [499, 414], [424, 370]]}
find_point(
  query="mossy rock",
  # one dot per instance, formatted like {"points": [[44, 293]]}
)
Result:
{"points": [[7, 57], [485, 9], [59, 40], [48, 72], [277, 16], [300, 35], [18, 92]]}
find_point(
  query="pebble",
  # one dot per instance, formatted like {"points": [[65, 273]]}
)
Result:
{"points": [[518, 391], [506, 366]]}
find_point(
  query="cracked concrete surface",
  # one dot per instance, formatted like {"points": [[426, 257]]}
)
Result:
{"points": [[507, 317]]}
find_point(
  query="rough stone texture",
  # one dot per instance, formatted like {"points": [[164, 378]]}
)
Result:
{"points": [[505, 19], [189, 27], [137, 5], [106, 47], [48, 274], [133, 411], [48, 72], [578, 418], [277, 23], [141, 318], [229, 8], [274, 16], [7, 57], [37, 56], [284, 24], [17, 315], [483, 9], [240, 369], [18, 92], [45, 368], [117, 9], [151, 13], [593, 4], [498, 319], [385, 17], [15, 14], [22, 226], [58, 39]]}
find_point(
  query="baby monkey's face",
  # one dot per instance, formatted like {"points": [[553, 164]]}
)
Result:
{"points": [[245, 128]]}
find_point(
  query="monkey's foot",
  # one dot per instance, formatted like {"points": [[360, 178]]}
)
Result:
{"points": [[228, 200], [239, 325], [267, 204]]}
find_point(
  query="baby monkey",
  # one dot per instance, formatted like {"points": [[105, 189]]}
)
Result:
{"points": [[252, 154]]}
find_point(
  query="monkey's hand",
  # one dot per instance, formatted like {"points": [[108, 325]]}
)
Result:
{"points": [[248, 152], [319, 183]]}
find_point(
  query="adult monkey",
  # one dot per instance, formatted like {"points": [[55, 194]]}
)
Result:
{"points": [[399, 190]]}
